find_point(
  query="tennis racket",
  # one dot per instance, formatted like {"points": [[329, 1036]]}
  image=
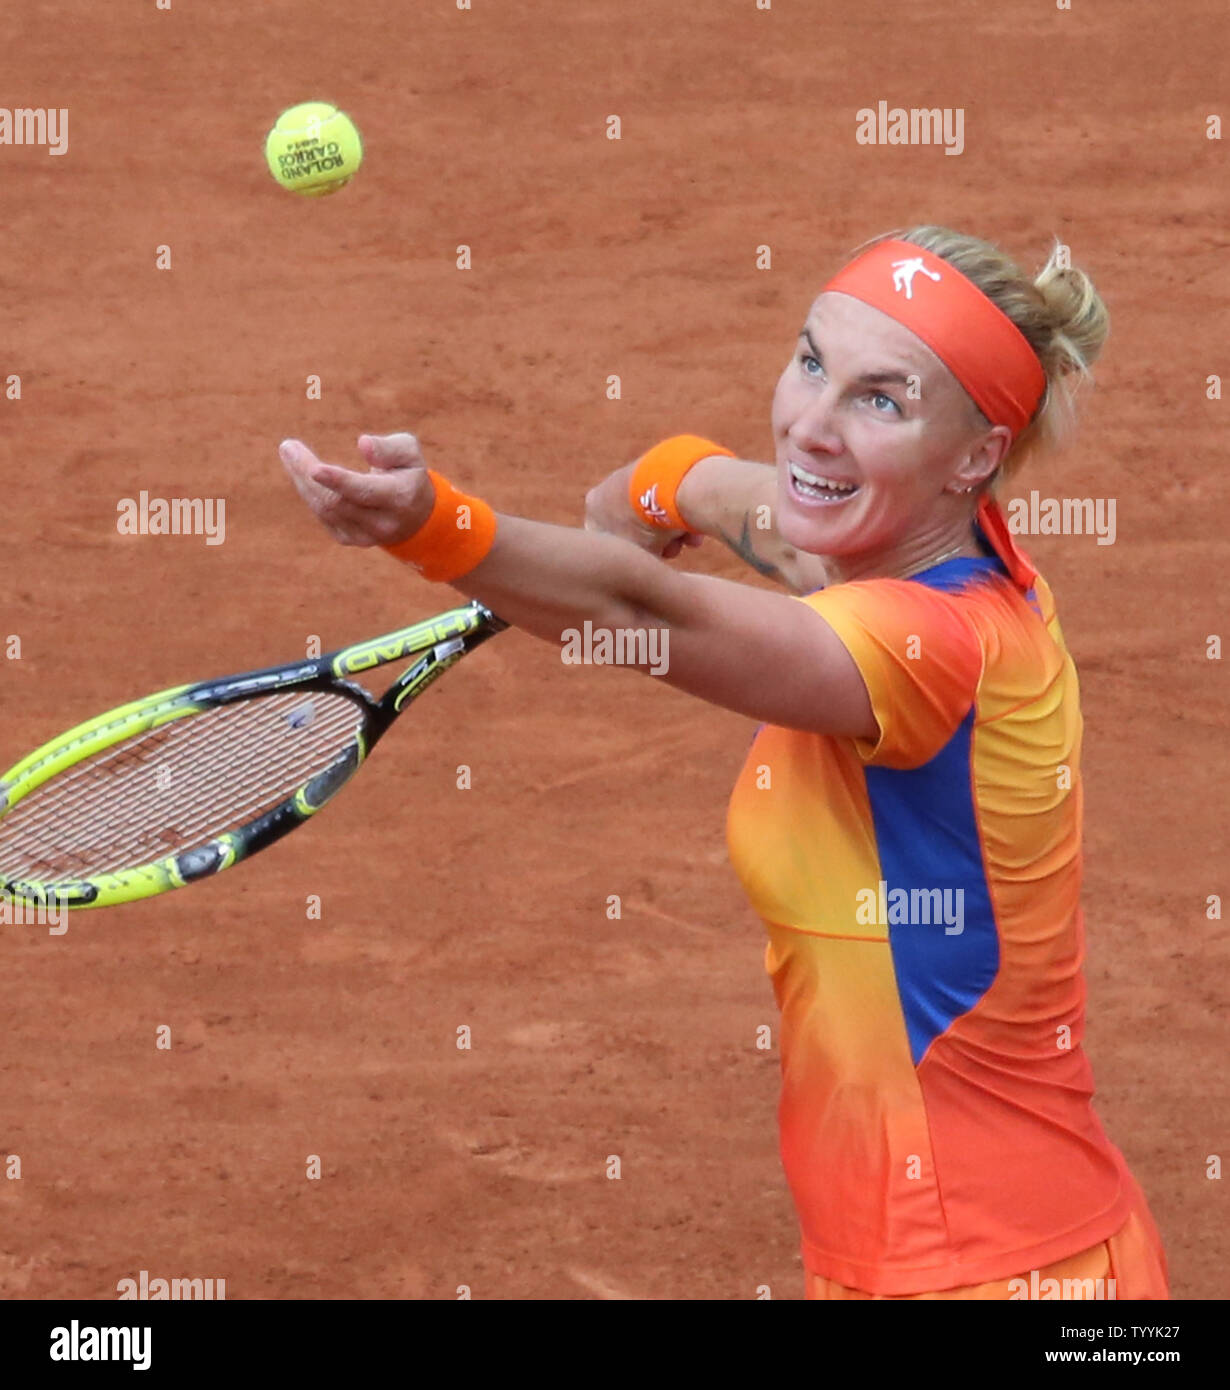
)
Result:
{"points": [[174, 788]]}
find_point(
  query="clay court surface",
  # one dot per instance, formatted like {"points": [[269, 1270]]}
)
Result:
{"points": [[486, 908]]}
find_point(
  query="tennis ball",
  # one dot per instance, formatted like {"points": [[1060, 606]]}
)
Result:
{"points": [[313, 148]]}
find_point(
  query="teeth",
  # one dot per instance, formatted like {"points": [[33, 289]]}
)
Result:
{"points": [[816, 480]]}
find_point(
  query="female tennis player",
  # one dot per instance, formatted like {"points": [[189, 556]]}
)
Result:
{"points": [[908, 822]]}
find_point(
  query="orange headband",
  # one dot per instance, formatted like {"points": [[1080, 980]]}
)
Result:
{"points": [[978, 343]]}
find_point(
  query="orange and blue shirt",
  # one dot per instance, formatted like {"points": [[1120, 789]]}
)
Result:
{"points": [[921, 892]]}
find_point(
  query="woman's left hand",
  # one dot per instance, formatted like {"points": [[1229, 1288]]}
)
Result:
{"points": [[383, 506], [607, 509]]}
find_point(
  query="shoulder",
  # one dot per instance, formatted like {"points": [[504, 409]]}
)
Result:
{"points": [[925, 649], [889, 612]]}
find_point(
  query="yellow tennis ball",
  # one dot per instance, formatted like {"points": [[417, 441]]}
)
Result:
{"points": [[313, 148]]}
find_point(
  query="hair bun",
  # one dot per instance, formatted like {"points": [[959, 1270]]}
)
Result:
{"points": [[1074, 311]]}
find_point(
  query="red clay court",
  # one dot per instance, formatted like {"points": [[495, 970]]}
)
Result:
{"points": [[486, 908]]}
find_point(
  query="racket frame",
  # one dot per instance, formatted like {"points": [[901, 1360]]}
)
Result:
{"points": [[432, 645]]}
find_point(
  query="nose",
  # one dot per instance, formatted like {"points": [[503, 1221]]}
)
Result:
{"points": [[814, 428]]}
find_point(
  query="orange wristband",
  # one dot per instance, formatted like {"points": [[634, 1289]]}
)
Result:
{"points": [[453, 540], [657, 476]]}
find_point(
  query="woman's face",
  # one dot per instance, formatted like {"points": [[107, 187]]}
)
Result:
{"points": [[870, 428]]}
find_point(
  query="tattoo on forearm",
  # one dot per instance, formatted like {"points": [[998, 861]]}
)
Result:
{"points": [[744, 550]]}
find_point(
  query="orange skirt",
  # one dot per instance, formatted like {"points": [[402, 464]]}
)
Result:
{"points": [[1131, 1264]]}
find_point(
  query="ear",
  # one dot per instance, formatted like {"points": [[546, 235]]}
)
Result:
{"points": [[982, 460]]}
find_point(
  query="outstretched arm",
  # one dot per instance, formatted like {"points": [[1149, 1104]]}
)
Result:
{"points": [[761, 654]]}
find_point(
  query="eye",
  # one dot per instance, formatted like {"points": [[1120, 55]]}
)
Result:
{"points": [[805, 359], [877, 396]]}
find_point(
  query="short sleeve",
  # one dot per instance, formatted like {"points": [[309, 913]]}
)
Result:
{"points": [[920, 660]]}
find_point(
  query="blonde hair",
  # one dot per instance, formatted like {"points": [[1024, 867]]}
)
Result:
{"points": [[1059, 312]]}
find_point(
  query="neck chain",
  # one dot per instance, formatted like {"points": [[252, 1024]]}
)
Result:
{"points": [[930, 564]]}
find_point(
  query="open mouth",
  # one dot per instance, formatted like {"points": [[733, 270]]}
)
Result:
{"points": [[815, 487]]}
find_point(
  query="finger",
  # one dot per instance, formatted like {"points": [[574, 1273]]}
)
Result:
{"points": [[325, 479], [347, 523], [343, 535], [365, 525], [300, 462], [296, 464], [337, 511], [292, 451], [351, 525], [389, 451], [334, 514], [373, 490]]}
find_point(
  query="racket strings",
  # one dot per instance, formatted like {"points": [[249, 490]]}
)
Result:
{"points": [[175, 787]]}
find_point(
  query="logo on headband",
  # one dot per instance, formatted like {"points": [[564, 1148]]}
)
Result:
{"points": [[905, 271]]}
